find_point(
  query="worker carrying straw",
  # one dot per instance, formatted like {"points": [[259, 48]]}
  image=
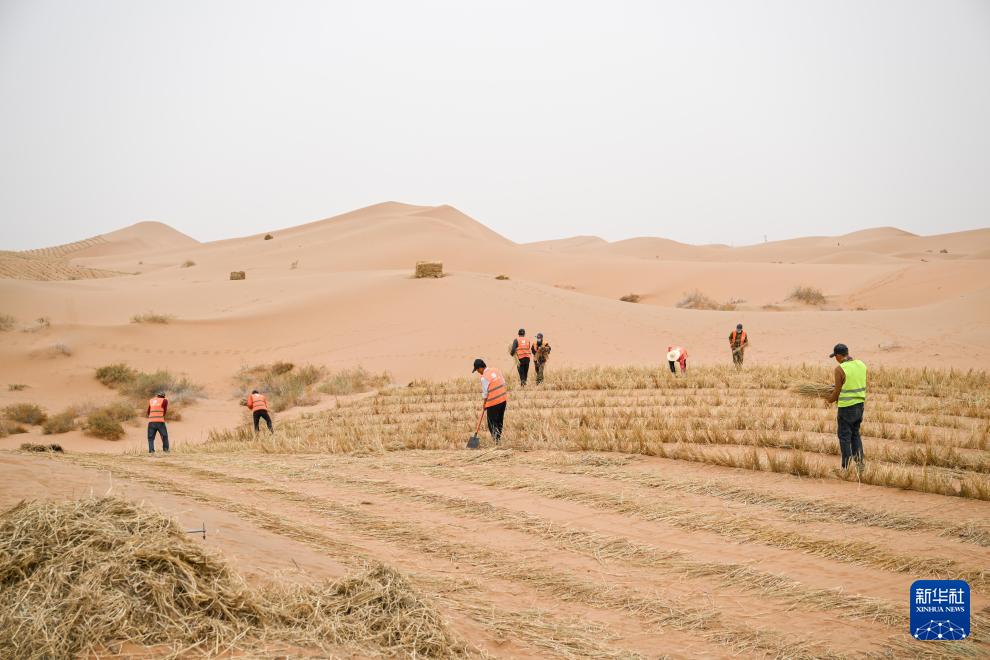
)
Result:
{"points": [[738, 341]]}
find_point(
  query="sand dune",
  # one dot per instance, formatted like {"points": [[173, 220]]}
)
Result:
{"points": [[338, 292]]}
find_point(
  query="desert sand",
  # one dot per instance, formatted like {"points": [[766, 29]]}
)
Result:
{"points": [[735, 539]]}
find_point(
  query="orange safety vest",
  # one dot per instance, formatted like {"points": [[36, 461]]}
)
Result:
{"points": [[523, 348], [741, 337], [497, 392], [156, 409], [257, 402]]}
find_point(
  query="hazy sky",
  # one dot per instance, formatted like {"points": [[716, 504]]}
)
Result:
{"points": [[699, 121]]}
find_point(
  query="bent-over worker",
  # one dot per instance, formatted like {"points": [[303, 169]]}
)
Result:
{"points": [[677, 355], [738, 341], [522, 350], [495, 395], [257, 403], [849, 395], [157, 407], [541, 353]]}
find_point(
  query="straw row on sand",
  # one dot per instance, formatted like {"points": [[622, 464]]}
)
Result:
{"points": [[85, 576]]}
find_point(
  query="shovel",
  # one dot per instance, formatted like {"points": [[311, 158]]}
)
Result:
{"points": [[474, 442]]}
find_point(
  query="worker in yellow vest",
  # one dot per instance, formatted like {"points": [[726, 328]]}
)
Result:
{"points": [[495, 395], [522, 350], [157, 407], [257, 403], [849, 395]]}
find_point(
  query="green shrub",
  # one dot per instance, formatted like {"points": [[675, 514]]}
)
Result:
{"points": [[101, 424], [63, 422], [25, 413], [114, 375], [808, 295], [353, 381]]}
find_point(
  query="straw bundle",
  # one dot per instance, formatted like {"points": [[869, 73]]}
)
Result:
{"points": [[81, 576], [31, 446], [429, 269], [812, 389], [238, 275]]}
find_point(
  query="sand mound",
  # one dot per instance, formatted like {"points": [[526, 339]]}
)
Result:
{"points": [[78, 576], [36, 265]]}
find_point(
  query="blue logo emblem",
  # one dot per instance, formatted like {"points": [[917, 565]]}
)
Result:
{"points": [[939, 610]]}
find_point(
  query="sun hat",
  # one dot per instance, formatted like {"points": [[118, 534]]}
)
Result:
{"points": [[674, 355]]}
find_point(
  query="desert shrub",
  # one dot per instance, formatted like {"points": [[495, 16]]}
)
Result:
{"points": [[238, 275], [7, 322], [62, 422], [123, 410], [25, 413], [630, 298], [268, 237], [808, 295], [33, 446], [188, 263], [145, 385], [943, 251], [114, 375], [10, 428], [697, 300], [285, 384], [294, 265], [59, 349], [40, 323], [16, 387], [151, 317], [102, 424], [501, 277], [353, 381]]}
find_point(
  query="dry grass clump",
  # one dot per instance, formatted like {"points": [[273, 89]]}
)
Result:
{"points": [[79, 577], [16, 387], [152, 317], [7, 322], [114, 375], [698, 300], [59, 349], [138, 385], [102, 424], [188, 263], [819, 390], [630, 298], [354, 381], [808, 295], [428, 269], [40, 323], [33, 446], [238, 275], [62, 422], [9, 428], [501, 277], [268, 237], [25, 413], [285, 384]]}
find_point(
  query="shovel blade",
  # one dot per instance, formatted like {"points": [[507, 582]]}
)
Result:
{"points": [[474, 442]]}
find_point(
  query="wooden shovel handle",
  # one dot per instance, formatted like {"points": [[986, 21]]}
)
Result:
{"points": [[480, 417]]}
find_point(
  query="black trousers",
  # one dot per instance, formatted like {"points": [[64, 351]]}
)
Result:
{"points": [[160, 429], [262, 415], [496, 417], [848, 421], [523, 370], [673, 366]]}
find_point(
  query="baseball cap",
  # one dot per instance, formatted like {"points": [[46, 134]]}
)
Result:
{"points": [[840, 349], [478, 364], [522, 331], [738, 326], [540, 335], [161, 394]]}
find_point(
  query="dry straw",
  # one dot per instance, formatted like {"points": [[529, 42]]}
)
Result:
{"points": [[84, 576], [429, 269]]}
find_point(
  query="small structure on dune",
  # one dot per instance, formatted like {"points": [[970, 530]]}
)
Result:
{"points": [[429, 269], [238, 275]]}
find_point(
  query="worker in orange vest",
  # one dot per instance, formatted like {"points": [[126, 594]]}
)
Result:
{"points": [[157, 407], [495, 395], [738, 341], [677, 355], [257, 403], [522, 350]]}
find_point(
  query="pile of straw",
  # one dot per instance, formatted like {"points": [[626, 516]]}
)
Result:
{"points": [[429, 269], [238, 275], [80, 577], [812, 389], [31, 446]]}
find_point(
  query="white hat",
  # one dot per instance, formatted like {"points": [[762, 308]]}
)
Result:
{"points": [[674, 355]]}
